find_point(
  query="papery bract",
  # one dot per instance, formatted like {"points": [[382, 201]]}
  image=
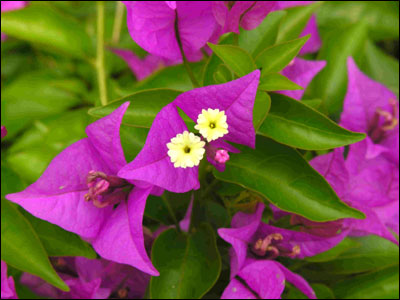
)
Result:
{"points": [[153, 24], [3, 131], [301, 71], [7, 284], [79, 189], [141, 68], [248, 14], [91, 279], [368, 185], [314, 42], [153, 165], [372, 108], [255, 245]]}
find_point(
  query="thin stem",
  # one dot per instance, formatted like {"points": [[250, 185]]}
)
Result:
{"points": [[171, 211], [101, 74], [185, 61], [119, 13], [235, 39]]}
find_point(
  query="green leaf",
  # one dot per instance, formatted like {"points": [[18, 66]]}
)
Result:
{"points": [[32, 152], [374, 252], [292, 123], [383, 284], [222, 74], [47, 28], [37, 95], [263, 36], [214, 62], [295, 21], [261, 108], [21, 247], [381, 67], [331, 254], [144, 106], [282, 176], [132, 140], [321, 291], [59, 242], [235, 58], [188, 269], [156, 210], [173, 77], [330, 84], [276, 82], [382, 17], [275, 58]]}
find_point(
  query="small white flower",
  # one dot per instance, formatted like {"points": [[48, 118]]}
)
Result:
{"points": [[212, 124], [186, 150]]}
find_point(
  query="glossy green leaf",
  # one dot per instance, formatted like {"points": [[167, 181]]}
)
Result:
{"points": [[235, 58], [322, 292], [132, 140], [59, 242], [157, 210], [173, 77], [275, 58], [381, 67], [330, 84], [282, 176], [144, 106], [261, 108], [49, 29], [295, 21], [37, 95], [277, 82], [32, 152], [374, 252], [383, 284], [222, 74], [382, 17], [188, 269], [263, 36], [292, 123], [214, 62], [21, 247]]}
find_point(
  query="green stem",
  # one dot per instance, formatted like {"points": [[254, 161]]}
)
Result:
{"points": [[119, 13], [171, 211], [185, 61], [235, 39], [101, 74]]}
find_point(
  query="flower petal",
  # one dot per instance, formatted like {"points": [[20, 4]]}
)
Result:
{"points": [[363, 97], [153, 164], [237, 290], [104, 136], [298, 282], [236, 98], [246, 226], [58, 195], [264, 277], [121, 239], [301, 72]]}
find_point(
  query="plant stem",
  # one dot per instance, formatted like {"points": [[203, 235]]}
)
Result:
{"points": [[101, 75], [235, 39], [185, 61], [171, 211], [119, 13]]}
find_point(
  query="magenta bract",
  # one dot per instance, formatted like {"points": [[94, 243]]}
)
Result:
{"points": [[79, 189]]}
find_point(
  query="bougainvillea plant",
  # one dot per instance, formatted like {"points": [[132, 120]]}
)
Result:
{"points": [[199, 149]]}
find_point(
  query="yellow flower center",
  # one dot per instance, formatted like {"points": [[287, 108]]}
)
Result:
{"points": [[186, 150], [212, 124]]}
